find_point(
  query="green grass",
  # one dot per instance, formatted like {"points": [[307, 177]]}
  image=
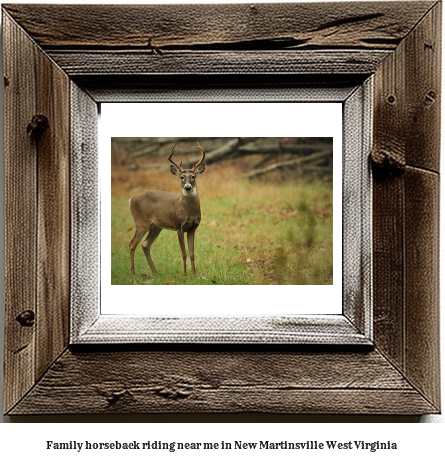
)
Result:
{"points": [[259, 234]]}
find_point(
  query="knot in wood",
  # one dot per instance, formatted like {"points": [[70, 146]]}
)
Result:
{"points": [[387, 163], [26, 318], [37, 126]]}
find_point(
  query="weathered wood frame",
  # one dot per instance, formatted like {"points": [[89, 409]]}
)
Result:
{"points": [[77, 56]]}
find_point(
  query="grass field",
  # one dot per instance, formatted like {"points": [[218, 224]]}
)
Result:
{"points": [[251, 232]]}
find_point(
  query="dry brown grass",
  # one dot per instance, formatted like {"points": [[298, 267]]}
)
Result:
{"points": [[225, 179]]}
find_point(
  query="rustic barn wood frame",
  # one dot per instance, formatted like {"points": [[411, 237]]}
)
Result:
{"points": [[74, 57]]}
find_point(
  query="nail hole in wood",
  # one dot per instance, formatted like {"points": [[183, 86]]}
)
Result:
{"points": [[430, 97], [155, 50]]}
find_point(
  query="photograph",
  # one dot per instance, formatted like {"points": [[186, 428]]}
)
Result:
{"points": [[240, 210]]}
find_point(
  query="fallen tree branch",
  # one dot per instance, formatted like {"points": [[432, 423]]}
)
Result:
{"points": [[269, 148], [289, 163], [228, 150]]}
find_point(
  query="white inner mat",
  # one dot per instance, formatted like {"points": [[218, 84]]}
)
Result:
{"points": [[218, 120]]}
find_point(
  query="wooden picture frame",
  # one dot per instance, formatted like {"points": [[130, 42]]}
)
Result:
{"points": [[59, 68]]}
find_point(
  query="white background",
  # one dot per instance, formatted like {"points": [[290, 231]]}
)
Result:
{"points": [[218, 120], [25, 443]]}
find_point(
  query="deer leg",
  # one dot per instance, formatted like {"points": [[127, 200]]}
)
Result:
{"points": [[191, 245], [184, 253], [153, 233], [138, 235]]}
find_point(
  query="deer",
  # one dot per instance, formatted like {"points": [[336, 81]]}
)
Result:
{"points": [[155, 210]]}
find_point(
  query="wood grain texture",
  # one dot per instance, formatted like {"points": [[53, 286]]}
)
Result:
{"points": [[216, 87], [422, 364], [357, 214], [229, 39], [406, 240], [388, 268], [37, 214], [160, 27], [100, 63], [109, 329], [421, 213], [85, 211], [397, 41], [408, 85], [423, 91], [20, 212], [220, 381], [53, 227], [388, 201]]}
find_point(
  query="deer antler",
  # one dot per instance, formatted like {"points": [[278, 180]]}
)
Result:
{"points": [[171, 161], [203, 154]]}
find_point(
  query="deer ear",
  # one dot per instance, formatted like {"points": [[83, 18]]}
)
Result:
{"points": [[175, 170], [200, 169]]}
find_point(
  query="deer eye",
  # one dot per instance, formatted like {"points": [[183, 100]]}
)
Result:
{"points": [[193, 177], [182, 177]]}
